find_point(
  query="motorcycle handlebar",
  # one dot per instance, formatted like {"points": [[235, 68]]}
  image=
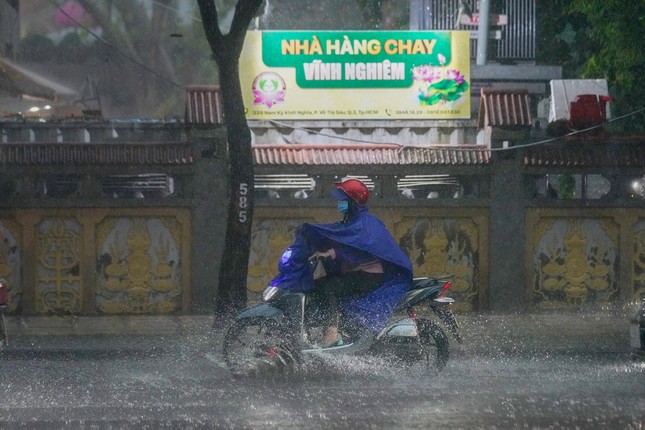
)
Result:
{"points": [[445, 277]]}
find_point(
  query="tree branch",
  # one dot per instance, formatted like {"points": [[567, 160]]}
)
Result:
{"points": [[133, 15], [111, 35], [245, 10], [210, 22]]}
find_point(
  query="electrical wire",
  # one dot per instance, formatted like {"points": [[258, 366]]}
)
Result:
{"points": [[456, 148], [171, 9], [159, 75], [117, 50], [293, 127], [573, 133]]}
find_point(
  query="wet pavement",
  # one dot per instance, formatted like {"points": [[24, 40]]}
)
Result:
{"points": [[547, 370], [599, 331]]}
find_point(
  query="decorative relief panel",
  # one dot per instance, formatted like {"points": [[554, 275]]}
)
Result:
{"points": [[58, 280], [270, 237], [11, 262], [139, 265], [575, 262], [638, 261], [444, 246]]}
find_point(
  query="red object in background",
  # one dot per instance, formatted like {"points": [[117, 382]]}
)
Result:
{"points": [[4, 294], [588, 110], [71, 14]]}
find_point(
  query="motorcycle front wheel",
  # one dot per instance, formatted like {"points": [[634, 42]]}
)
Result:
{"points": [[255, 347], [434, 345]]}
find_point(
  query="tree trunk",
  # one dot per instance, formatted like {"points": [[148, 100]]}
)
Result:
{"points": [[237, 243]]}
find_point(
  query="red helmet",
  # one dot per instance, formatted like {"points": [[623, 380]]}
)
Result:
{"points": [[355, 189]]}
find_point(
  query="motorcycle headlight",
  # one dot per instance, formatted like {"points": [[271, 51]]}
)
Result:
{"points": [[269, 293]]}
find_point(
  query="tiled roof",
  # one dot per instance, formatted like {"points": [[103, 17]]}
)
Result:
{"points": [[129, 153], [587, 154], [504, 108], [357, 154], [204, 105], [461, 155], [325, 154]]}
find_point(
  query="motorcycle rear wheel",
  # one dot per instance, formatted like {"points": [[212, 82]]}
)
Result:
{"points": [[3, 332], [254, 347], [434, 344]]}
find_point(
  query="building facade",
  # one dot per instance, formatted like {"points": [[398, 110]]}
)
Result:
{"points": [[126, 218]]}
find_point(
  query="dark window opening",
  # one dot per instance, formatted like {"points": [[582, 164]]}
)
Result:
{"points": [[295, 186], [7, 187], [59, 186], [572, 186], [441, 186], [142, 186]]}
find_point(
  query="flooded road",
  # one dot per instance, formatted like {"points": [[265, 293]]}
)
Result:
{"points": [[183, 383]]}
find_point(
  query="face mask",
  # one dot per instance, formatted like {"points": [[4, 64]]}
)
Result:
{"points": [[343, 206]]}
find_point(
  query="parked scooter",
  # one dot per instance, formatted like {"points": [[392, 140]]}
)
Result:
{"points": [[274, 336]]}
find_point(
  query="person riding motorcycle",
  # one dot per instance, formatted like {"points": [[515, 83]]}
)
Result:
{"points": [[372, 275]]}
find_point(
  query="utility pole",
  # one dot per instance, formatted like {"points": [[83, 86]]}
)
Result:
{"points": [[482, 33], [420, 14]]}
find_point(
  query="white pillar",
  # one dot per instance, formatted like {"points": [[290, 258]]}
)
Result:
{"points": [[482, 34]]}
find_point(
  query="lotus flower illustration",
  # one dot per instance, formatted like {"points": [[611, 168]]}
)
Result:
{"points": [[268, 89], [438, 84]]}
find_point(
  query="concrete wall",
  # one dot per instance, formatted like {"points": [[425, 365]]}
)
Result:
{"points": [[210, 198], [511, 245]]}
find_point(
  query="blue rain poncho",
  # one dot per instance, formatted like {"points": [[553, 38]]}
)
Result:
{"points": [[360, 234]]}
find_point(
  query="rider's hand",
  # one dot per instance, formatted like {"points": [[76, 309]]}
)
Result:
{"points": [[321, 254]]}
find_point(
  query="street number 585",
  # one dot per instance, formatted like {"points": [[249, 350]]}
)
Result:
{"points": [[243, 202]]}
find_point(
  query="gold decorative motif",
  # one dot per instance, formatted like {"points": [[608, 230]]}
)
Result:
{"points": [[575, 263], [10, 263], [270, 237], [139, 265], [444, 246], [638, 262], [58, 277]]}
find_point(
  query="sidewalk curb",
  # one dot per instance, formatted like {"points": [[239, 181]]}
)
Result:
{"points": [[483, 334], [107, 325]]}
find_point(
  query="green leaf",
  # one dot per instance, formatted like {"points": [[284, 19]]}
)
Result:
{"points": [[444, 85], [463, 87]]}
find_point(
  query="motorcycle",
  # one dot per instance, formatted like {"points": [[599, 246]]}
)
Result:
{"points": [[4, 341], [275, 336]]}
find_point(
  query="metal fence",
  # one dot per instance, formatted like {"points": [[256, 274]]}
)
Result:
{"points": [[516, 38]]}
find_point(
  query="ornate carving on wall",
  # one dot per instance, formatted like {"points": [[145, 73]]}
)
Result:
{"points": [[139, 265], [638, 261], [270, 237], [58, 280], [574, 262], [444, 246], [11, 262]]}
